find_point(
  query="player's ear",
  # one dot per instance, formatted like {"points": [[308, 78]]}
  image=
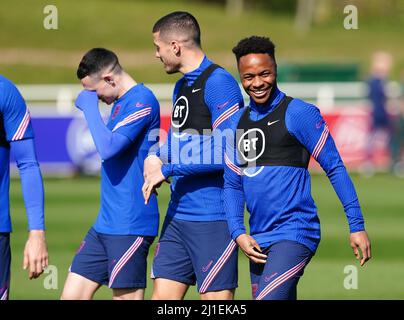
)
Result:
{"points": [[108, 78], [175, 47]]}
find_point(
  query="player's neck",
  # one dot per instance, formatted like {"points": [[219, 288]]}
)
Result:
{"points": [[126, 82], [192, 60]]}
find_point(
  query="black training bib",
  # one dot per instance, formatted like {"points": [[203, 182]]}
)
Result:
{"points": [[190, 110], [267, 142]]}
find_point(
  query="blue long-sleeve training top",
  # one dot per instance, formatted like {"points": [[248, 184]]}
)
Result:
{"points": [[195, 161], [123, 143], [278, 198], [16, 134]]}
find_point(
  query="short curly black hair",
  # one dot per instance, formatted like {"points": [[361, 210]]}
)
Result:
{"points": [[254, 44]]}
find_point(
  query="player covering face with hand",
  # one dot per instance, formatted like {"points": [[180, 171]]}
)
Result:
{"points": [[266, 168], [115, 249]]}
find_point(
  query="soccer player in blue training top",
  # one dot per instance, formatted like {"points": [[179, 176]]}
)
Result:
{"points": [[115, 249], [195, 244], [16, 134], [266, 168]]}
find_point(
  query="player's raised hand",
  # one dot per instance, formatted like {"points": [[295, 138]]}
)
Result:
{"points": [[251, 248], [87, 100], [360, 241], [35, 254]]}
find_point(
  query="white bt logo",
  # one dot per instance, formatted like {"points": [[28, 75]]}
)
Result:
{"points": [[180, 112], [247, 144], [251, 144]]}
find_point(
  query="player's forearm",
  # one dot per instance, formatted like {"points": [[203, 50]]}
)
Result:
{"points": [[234, 209], [331, 162], [345, 190], [33, 192], [31, 182], [108, 143], [170, 170], [234, 201], [233, 197]]}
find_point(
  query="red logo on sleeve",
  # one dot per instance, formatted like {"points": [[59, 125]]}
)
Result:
{"points": [[116, 111]]}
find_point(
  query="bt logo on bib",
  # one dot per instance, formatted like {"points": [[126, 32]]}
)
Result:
{"points": [[180, 112], [251, 144]]}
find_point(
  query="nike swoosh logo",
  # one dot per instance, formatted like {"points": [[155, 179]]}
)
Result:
{"points": [[273, 122], [139, 105], [220, 106], [196, 90], [318, 124], [204, 269]]}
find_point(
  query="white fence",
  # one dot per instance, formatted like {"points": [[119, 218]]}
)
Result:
{"points": [[44, 98], [65, 145]]}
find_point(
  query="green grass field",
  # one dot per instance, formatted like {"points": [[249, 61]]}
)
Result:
{"points": [[72, 204]]}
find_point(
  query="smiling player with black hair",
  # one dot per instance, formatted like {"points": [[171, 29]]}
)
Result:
{"points": [[267, 160]]}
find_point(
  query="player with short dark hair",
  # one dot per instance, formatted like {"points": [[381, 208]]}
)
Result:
{"points": [[114, 251], [96, 60], [194, 245], [266, 169], [16, 135], [180, 23]]}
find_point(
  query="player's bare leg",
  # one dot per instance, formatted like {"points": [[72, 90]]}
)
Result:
{"points": [[218, 295], [165, 289], [78, 288], [128, 294]]}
